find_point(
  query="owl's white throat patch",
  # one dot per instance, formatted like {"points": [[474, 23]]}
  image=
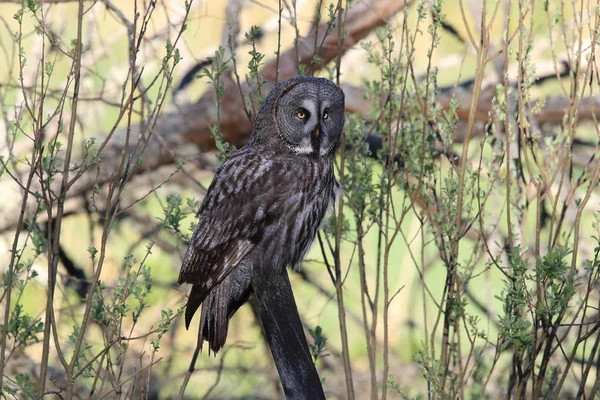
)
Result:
{"points": [[305, 147]]}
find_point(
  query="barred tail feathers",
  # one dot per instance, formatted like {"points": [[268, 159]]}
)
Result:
{"points": [[219, 305]]}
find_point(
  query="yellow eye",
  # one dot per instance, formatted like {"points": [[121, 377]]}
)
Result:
{"points": [[325, 115], [301, 114]]}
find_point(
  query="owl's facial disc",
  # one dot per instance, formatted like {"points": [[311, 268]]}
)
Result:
{"points": [[310, 117]]}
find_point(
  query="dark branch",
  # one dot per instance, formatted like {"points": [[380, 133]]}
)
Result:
{"points": [[274, 300]]}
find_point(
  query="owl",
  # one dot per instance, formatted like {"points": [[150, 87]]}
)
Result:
{"points": [[265, 204]]}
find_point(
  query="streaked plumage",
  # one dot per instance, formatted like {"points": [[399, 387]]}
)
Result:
{"points": [[266, 202]]}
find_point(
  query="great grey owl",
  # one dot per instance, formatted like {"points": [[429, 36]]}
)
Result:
{"points": [[266, 202]]}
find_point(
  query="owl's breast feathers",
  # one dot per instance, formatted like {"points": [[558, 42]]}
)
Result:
{"points": [[258, 203]]}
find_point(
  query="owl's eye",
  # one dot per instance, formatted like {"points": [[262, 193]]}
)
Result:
{"points": [[326, 113], [302, 114]]}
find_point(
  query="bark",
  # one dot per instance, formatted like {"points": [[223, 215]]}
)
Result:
{"points": [[274, 301]]}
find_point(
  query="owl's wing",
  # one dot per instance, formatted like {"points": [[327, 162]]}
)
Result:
{"points": [[207, 268], [241, 201]]}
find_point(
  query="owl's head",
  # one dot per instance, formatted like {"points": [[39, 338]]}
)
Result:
{"points": [[304, 114]]}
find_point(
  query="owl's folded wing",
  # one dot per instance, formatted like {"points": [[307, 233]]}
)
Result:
{"points": [[206, 268], [240, 203]]}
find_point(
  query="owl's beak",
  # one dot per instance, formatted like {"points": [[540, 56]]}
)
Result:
{"points": [[317, 132]]}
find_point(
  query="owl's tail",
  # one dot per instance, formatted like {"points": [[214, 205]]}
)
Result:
{"points": [[223, 300]]}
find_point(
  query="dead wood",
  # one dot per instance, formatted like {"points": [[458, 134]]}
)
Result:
{"points": [[183, 132], [189, 124]]}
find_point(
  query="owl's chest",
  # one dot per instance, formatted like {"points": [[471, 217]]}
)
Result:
{"points": [[315, 193], [309, 195], [308, 218]]}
